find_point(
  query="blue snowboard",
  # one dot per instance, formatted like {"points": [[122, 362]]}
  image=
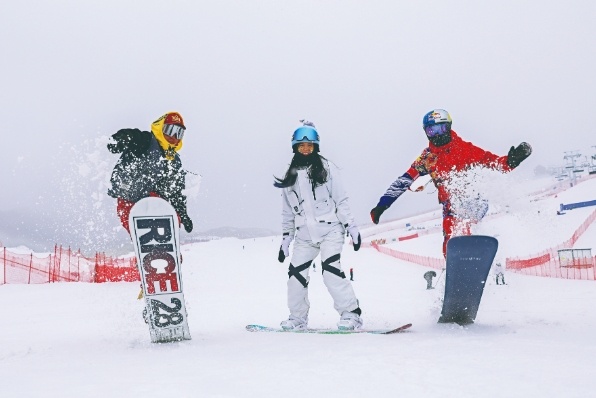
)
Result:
{"points": [[469, 259]]}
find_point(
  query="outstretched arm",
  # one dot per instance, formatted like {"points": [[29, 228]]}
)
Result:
{"points": [[507, 163], [130, 139], [395, 190]]}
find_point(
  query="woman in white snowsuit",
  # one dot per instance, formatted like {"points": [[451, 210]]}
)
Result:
{"points": [[316, 213]]}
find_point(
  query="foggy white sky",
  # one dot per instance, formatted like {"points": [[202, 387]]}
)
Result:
{"points": [[242, 73]]}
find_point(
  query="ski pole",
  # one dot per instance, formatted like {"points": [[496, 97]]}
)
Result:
{"points": [[441, 274]]}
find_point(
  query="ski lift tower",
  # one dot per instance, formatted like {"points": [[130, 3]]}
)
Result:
{"points": [[570, 157], [593, 162]]}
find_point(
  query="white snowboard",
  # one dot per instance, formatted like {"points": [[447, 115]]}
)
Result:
{"points": [[155, 233]]}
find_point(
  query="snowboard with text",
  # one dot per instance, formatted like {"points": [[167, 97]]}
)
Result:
{"points": [[155, 233], [469, 259]]}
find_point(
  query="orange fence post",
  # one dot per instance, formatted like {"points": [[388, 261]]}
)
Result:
{"points": [[30, 266], [54, 264], [95, 267], [69, 253], [59, 264]]}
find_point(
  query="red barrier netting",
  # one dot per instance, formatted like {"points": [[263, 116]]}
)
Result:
{"points": [[437, 263], [552, 268], [402, 238], [111, 269], [65, 265], [546, 263]]}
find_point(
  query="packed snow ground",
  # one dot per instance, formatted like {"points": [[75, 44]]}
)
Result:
{"points": [[533, 337]]}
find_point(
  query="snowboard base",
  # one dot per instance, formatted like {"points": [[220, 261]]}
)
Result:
{"points": [[260, 328], [169, 335], [460, 320], [469, 259]]}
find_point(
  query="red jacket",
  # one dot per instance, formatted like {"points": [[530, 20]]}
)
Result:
{"points": [[457, 155]]}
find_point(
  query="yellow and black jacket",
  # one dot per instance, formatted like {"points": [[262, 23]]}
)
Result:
{"points": [[145, 166]]}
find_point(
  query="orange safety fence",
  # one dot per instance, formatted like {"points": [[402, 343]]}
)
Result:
{"points": [[64, 265]]}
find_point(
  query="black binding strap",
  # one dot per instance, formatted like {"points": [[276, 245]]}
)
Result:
{"points": [[335, 271], [295, 271]]}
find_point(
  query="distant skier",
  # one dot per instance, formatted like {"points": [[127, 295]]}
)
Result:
{"points": [[428, 276], [150, 166], [445, 158], [499, 273], [316, 212]]}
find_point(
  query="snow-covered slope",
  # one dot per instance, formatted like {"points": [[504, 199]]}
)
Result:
{"points": [[532, 338]]}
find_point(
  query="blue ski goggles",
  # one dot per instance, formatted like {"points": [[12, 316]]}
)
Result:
{"points": [[305, 134], [174, 130], [437, 129]]}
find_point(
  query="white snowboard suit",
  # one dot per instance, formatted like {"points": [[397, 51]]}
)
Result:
{"points": [[318, 220]]}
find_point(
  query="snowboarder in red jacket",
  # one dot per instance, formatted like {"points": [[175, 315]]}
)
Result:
{"points": [[447, 157]]}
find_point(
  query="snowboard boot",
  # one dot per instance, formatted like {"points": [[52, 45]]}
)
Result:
{"points": [[350, 320], [294, 323]]}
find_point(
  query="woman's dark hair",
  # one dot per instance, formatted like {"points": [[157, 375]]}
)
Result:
{"points": [[316, 172]]}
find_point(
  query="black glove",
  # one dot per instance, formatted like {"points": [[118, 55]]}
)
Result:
{"points": [[375, 213], [355, 235], [284, 248], [136, 140], [115, 147], [518, 155], [187, 222], [281, 256]]}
